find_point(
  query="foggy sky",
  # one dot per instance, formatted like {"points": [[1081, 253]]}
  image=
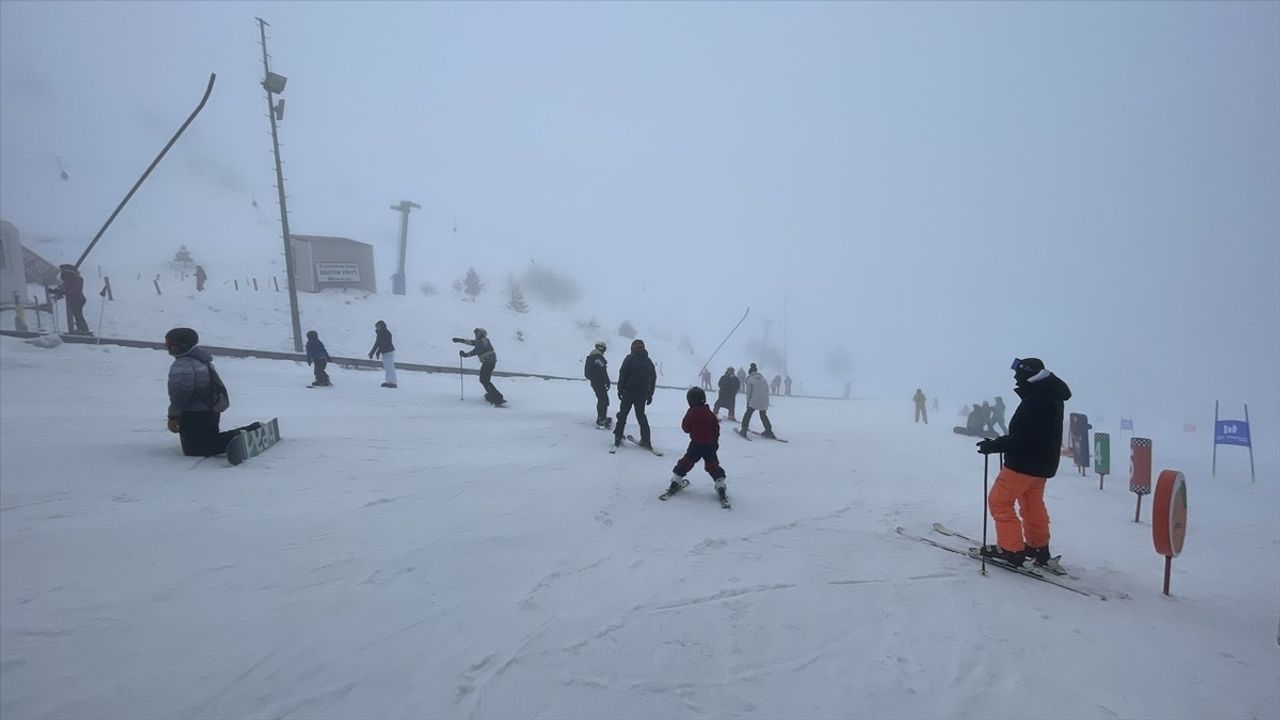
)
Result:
{"points": [[935, 188]]}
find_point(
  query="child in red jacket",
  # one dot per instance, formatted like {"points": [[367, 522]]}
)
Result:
{"points": [[704, 441]]}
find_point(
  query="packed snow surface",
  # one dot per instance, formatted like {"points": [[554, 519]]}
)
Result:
{"points": [[407, 553]]}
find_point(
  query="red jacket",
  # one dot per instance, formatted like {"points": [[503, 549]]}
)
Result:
{"points": [[701, 424], [73, 286]]}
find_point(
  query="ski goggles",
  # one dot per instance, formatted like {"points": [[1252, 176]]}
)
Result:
{"points": [[1017, 365]]}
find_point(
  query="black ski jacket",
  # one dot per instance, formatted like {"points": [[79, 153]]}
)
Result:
{"points": [[596, 369], [1033, 445], [637, 377]]}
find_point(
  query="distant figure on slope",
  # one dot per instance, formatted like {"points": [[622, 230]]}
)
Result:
{"points": [[197, 396], [728, 397], [704, 442], [596, 370], [775, 385], [1031, 456], [385, 349], [757, 400], [72, 288], [317, 358], [200, 278], [997, 415], [987, 414], [483, 349], [975, 424], [705, 376], [742, 380], [787, 383], [935, 402], [637, 379], [919, 400]]}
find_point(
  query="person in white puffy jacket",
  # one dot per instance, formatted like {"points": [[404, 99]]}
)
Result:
{"points": [[757, 401]]}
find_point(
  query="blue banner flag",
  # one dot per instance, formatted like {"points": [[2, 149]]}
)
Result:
{"points": [[1231, 432], [1126, 423]]}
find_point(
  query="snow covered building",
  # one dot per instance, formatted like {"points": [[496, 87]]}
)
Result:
{"points": [[322, 262], [13, 269]]}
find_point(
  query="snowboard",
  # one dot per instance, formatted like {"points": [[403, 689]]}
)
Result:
{"points": [[959, 430], [252, 443]]}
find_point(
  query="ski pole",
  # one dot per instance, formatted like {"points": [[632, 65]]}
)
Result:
{"points": [[986, 463], [459, 377]]}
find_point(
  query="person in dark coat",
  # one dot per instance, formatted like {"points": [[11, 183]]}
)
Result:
{"points": [[704, 443], [787, 385], [596, 370], [193, 408], [386, 350], [637, 379], [728, 397], [987, 418], [72, 288], [317, 358], [919, 399], [997, 416], [1031, 454], [775, 385], [200, 278], [483, 349], [742, 380]]}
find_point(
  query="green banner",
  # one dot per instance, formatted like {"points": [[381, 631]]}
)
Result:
{"points": [[1102, 453]]}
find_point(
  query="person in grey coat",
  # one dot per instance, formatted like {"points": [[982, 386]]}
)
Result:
{"points": [[757, 401], [194, 410]]}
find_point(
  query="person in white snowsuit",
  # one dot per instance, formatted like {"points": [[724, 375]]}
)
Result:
{"points": [[757, 401]]}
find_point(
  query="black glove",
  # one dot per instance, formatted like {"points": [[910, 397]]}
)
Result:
{"points": [[458, 340], [987, 447], [462, 353], [649, 401]]}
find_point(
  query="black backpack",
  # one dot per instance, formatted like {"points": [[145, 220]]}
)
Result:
{"points": [[221, 400]]}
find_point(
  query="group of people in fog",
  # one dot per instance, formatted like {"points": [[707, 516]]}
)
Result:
{"points": [[1028, 446], [779, 385]]}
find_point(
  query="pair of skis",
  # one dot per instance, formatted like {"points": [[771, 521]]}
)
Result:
{"points": [[745, 436], [721, 494], [1053, 573], [614, 448]]}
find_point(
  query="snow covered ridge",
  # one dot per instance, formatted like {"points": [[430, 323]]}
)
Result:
{"points": [[406, 554]]}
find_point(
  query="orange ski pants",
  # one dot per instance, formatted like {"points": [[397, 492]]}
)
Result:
{"points": [[1028, 492]]}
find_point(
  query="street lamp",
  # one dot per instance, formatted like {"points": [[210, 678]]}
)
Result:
{"points": [[274, 84]]}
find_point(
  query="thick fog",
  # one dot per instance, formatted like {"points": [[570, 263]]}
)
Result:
{"points": [[932, 189]]}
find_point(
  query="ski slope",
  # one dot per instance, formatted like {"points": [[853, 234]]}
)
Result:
{"points": [[404, 553]]}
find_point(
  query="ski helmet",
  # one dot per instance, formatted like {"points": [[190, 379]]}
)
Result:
{"points": [[481, 332], [696, 397], [1025, 368], [601, 346]]}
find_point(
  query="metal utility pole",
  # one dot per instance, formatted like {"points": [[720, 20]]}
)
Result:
{"points": [[397, 280], [273, 84]]}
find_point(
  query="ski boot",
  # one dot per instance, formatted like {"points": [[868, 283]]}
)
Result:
{"points": [[617, 440], [677, 484], [722, 492], [768, 434], [1014, 558], [646, 444]]}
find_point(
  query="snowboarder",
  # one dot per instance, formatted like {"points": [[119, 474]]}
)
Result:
{"points": [[704, 441], [197, 396], [975, 424], [483, 349], [775, 385], [742, 380], [757, 399], [385, 349], [1031, 457], [596, 369], [920, 400], [200, 278], [787, 382], [728, 397], [317, 358], [637, 379], [997, 416], [72, 288]]}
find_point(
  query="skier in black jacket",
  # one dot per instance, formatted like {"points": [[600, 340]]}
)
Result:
{"points": [[637, 379], [728, 396], [596, 369], [1031, 456], [482, 348]]}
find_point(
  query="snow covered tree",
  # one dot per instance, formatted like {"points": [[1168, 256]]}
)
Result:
{"points": [[472, 285], [457, 287], [428, 289], [627, 330], [686, 345], [183, 255], [516, 302]]}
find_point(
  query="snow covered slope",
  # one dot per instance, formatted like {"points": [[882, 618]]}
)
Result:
{"points": [[406, 554]]}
